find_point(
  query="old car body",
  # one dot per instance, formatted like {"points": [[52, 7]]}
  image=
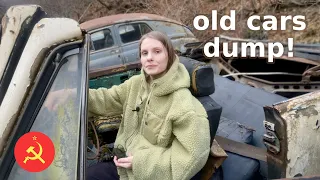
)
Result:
{"points": [[115, 38], [287, 76], [42, 64]]}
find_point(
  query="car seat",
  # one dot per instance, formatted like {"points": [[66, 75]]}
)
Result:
{"points": [[202, 86]]}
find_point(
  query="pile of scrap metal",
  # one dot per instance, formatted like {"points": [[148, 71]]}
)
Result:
{"points": [[287, 76]]}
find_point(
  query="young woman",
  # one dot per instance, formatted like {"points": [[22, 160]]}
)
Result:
{"points": [[164, 130]]}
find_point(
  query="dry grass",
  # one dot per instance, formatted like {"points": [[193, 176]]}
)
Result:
{"points": [[310, 35], [185, 11]]}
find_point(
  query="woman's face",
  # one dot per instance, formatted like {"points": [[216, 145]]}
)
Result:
{"points": [[154, 57]]}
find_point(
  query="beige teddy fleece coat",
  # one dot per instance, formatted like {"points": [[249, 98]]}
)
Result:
{"points": [[169, 136]]}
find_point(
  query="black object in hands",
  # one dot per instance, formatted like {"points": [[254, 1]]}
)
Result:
{"points": [[120, 153]]}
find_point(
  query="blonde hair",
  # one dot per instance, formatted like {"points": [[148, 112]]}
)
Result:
{"points": [[164, 39]]}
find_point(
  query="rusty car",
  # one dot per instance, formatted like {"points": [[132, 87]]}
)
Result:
{"points": [[115, 38], [287, 76]]}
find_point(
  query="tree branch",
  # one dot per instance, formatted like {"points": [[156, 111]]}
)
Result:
{"points": [[104, 4]]}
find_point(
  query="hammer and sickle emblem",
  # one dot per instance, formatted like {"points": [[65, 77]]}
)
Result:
{"points": [[36, 155]]}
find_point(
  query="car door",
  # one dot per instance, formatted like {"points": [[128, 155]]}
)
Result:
{"points": [[65, 68], [104, 49], [129, 35]]}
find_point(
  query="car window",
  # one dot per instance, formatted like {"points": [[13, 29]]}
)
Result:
{"points": [[101, 39], [144, 29], [61, 125], [189, 32], [172, 29], [133, 32]]}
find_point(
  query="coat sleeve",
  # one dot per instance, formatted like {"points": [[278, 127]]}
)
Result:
{"points": [[183, 159], [107, 102]]}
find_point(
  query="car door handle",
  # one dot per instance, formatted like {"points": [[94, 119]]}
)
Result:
{"points": [[114, 51]]}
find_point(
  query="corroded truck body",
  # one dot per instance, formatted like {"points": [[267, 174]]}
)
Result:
{"points": [[34, 50], [44, 35], [292, 136]]}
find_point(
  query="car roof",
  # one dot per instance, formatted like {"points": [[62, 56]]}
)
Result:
{"points": [[120, 18]]}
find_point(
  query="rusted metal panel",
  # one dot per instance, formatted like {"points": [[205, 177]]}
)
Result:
{"points": [[302, 116], [215, 160], [242, 149], [276, 87], [296, 125], [277, 149], [120, 18], [114, 69]]}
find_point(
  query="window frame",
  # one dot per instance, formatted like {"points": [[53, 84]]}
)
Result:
{"points": [[42, 86], [115, 45], [130, 23]]}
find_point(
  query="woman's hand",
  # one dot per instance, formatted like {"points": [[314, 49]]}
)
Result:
{"points": [[56, 98], [124, 162]]}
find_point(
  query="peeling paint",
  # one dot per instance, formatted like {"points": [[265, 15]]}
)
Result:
{"points": [[11, 26], [294, 103], [37, 63], [55, 31], [40, 26], [306, 111], [301, 115], [6, 134]]}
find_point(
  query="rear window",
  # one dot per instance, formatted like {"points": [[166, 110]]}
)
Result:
{"points": [[101, 40], [173, 30], [133, 32], [189, 32]]}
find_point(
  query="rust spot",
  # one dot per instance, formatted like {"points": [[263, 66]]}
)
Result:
{"points": [[37, 63], [4, 23], [119, 69], [40, 26]]}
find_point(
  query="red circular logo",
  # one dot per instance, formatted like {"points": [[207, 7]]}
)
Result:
{"points": [[34, 151]]}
